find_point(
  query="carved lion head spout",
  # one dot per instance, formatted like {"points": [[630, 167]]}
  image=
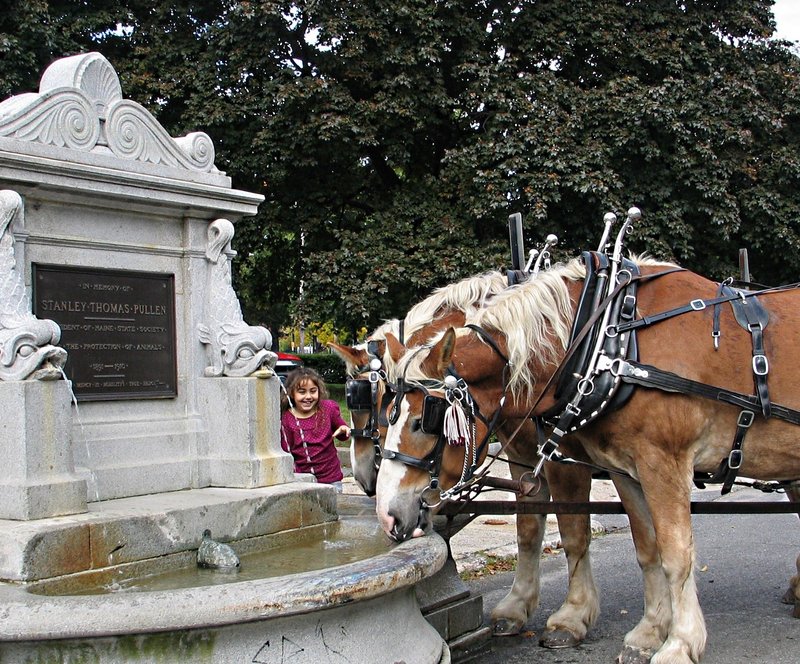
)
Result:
{"points": [[28, 351]]}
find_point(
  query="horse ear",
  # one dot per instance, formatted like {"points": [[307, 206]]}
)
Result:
{"points": [[441, 354], [352, 357], [395, 348]]}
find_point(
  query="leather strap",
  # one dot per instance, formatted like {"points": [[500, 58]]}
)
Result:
{"points": [[754, 318], [729, 467]]}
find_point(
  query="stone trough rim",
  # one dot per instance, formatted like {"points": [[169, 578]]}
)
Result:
{"points": [[27, 616]]}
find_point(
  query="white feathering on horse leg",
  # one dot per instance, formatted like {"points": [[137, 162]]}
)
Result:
{"points": [[455, 425]]}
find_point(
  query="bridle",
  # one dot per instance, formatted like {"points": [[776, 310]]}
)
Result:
{"points": [[439, 413], [363, 394]]}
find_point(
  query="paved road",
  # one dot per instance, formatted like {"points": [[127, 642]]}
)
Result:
{"points": [[743, 566]]}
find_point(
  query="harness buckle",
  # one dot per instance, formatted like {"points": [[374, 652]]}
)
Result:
{"points": [[760, 365], [436, 496], [454, 395], [572, 409], [605, 363], [746, 419], [628, 307], [735, 459], [697, 305]]}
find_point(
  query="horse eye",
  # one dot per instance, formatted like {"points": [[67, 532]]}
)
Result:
{"points": [[415, 424]]}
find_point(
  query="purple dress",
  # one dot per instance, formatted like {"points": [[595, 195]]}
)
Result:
{"points": [[310, 441]]}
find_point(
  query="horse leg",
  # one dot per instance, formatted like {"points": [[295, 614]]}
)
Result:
{"points": [[567, 627], [792, 595], [650, 632], [666, 482], [512, 612]]}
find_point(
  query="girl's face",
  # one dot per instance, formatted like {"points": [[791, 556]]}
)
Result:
{"points": [[305, 396]]}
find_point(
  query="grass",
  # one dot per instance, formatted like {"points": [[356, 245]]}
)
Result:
{"points": [[336, 392]]}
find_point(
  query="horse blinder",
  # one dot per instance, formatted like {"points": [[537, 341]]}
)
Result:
{"points": [[433, 409], [358, 394]]}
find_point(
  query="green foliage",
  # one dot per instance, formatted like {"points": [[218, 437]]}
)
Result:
{"points": [[392, 140], [327, 365], [337, 393]]}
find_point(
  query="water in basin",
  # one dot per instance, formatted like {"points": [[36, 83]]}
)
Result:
{"points": [[307, 549]]}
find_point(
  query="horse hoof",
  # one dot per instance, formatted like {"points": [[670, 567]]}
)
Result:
{"points": [[506, 627], [559, 638], [788, 597], [630, 655]]}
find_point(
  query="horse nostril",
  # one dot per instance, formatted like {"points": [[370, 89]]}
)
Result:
{"points": [[398, 535], [398, 532]]}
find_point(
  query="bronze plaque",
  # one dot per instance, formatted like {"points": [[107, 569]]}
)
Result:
{"points": [[117, 326]]}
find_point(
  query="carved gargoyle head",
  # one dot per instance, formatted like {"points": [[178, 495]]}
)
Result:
{"points": [[244, 349], [28, 351]]}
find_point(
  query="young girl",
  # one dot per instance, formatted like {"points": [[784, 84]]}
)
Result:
{"points": [[309, 423]]}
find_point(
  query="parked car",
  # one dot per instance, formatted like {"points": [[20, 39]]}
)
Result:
{"points": [[286, 363]]}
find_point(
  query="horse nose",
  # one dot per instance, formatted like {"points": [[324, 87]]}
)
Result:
{"points": [[398, 535], [369, 485], [387, 522], [399, 532]]}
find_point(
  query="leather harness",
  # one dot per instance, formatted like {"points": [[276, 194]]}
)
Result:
{"points": [[600, 369], [751, 315]]}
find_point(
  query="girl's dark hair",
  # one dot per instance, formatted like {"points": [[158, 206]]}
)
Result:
{"points": [[298, 376]]}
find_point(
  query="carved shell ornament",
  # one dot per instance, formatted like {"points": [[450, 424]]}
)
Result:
{"points": [[80, 106], [27, 343]]}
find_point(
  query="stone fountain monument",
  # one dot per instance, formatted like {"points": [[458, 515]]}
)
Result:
{"points": [[139, 409]]}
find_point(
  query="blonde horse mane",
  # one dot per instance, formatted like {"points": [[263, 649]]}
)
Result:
{"points": [[464, 295], [534, 316]]}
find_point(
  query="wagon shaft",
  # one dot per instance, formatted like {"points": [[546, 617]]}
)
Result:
{"points": [[479, 507]]}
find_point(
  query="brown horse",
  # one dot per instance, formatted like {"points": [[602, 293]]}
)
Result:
{"points": [[567, 626], [658, 438], [444, 307]]}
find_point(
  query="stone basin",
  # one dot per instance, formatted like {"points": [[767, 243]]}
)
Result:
{"points": [[362, 610]]}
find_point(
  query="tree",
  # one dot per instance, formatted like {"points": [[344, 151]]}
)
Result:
{"points": [[34, 33], [391, 140]]}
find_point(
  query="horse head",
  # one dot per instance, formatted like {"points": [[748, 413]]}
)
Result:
{"points": [[437, 431], [366, 391]]}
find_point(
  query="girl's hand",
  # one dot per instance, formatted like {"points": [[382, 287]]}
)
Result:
{"points": [[342, 432]]}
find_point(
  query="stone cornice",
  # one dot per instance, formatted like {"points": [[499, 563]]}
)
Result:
{"points": [[30, 166], [80, 115]]}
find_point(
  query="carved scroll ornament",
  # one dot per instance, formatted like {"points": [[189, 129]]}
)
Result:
{"points": [[79, 106], [237, 349], [28, 349]]}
